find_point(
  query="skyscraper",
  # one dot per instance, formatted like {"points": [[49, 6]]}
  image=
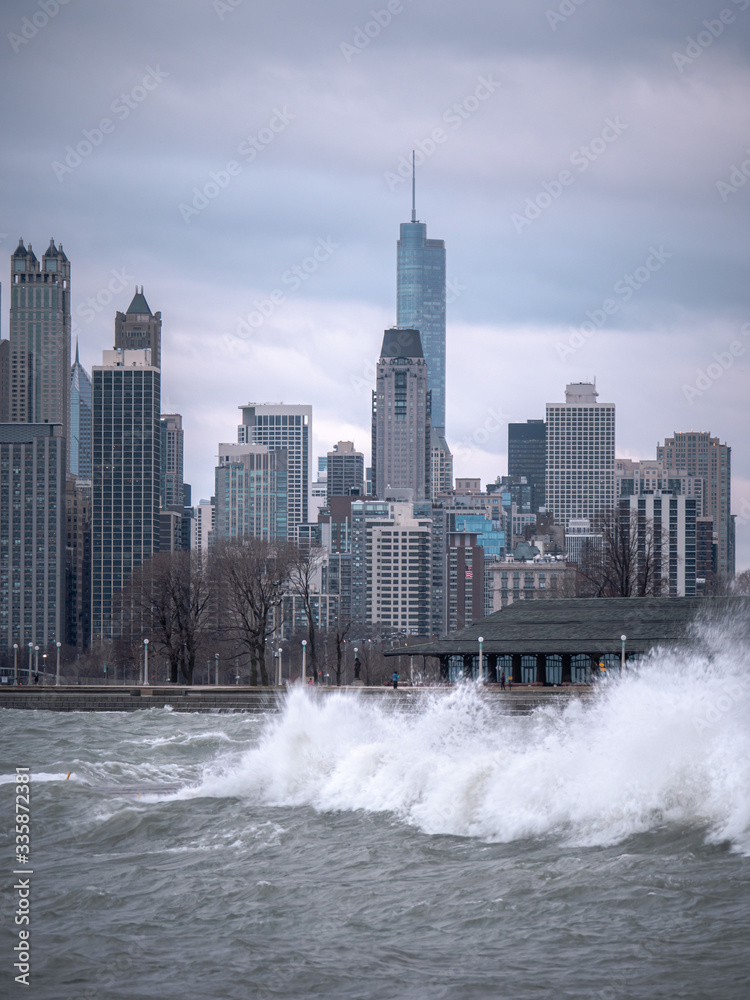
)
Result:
{"points": [[580, 478], [80, 420], [420, 292], [4, 381], [401, 427], [139, 328], [251, 492], [126, 475], [696, 453], [172, 454], [665, 526], [278, 426], [345, 471], [527, 456], [40, 337], [33, 466]]}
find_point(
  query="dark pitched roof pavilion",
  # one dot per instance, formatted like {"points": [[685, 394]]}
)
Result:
{"points": [[586, 625]]}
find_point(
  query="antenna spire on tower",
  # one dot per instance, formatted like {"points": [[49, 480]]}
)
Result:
{"points": [[413, 189]]}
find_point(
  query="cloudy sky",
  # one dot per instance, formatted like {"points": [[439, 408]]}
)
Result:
{"points": [[583, 160]]}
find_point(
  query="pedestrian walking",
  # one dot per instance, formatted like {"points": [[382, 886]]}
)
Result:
{"points": [[395, 680]]}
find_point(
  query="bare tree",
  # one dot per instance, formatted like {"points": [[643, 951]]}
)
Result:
{"points": [[626, 562], [339, 637], [251, 576], [168, 599], [304, 572]]}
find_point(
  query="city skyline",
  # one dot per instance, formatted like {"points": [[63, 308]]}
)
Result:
{"points": [[589, 187]]}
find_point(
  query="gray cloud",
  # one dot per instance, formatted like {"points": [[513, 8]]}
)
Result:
{"points": [[227, 71]]}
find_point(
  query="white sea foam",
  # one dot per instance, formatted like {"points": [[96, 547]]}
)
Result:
{"points": [[35, 776], [669, 744]]}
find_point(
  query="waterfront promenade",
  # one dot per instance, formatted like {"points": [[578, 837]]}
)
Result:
{"points": [[234, 698]]}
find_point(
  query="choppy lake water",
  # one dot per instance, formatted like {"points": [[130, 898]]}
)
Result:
{"points": [[338, 849]]}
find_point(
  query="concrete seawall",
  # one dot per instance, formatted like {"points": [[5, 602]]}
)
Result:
{"points": [[180, 698]]}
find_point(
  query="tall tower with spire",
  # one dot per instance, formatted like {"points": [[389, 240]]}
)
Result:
{"points": [[80, 420], [420, 291], [139, 328], [40, 337]]}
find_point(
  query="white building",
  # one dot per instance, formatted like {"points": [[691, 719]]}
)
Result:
{"points": [[539, 579], [580, 479], [398, 574], [202, 525], [667, 529]]}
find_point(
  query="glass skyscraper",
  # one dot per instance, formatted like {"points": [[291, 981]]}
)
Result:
{"points": [[420, 290]]}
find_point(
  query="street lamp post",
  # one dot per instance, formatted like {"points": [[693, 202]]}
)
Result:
{"points": [[36, 662], [145, 663], [15, 663], [216, 668], [479, 669], [622, 653], [31, 652], [57, 666], [44, 666], [304, 661]]}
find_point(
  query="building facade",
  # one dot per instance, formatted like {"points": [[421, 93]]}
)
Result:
{"points": [[288, 428], [345, 471], [420, 293], [40, 337], [580, 475], [172, 457], [696, 453], [667, 536], [139, 329], [126, 477], [527, 458], [401, 417], [202, 525], [33, 467], [398, 557], [78, 563], [80, 420], [251, 493]]}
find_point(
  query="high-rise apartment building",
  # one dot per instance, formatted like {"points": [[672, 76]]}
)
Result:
{"points": [[33, 467], [80, 420], [527, 457], [696, 453], [172, 451], [398, 557], [139, 329], [78, 563], [287, 428], [420, 292], [126, 476], [40, 337], [4, 381], [345, 471], [202, 525], [401, 417], [251, 492], [580, 475], [666, 527]]}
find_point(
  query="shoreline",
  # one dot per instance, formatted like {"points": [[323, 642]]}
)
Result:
{"points": [[239, 698]]}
